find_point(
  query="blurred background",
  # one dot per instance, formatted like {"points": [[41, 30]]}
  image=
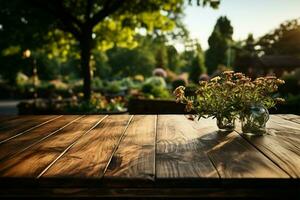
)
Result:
{"points": [[116, 56]]}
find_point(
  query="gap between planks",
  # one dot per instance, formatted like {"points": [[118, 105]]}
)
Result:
{"points": [[262, 152], [117, 145], [180, 153], [30, 129], [155, 145], [42, 139], [266, 154], [72, 144]]}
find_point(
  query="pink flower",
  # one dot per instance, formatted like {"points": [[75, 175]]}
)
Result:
{"points": [[159, 72]]}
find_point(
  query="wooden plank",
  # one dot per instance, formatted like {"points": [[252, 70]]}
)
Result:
{"points": [[25, 141], [281, 145], [285, 129], [179, 152], [90, 155], [135, 156], [232, 155], [33, 161], [4, 118], [17, 126], [7, 122], [290, 117]]}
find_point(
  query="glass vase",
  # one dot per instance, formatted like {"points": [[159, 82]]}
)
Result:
{"points": [[254, 120], [225, 124]]}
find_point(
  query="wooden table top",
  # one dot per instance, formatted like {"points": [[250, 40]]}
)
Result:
{"points": [[144, 154]]}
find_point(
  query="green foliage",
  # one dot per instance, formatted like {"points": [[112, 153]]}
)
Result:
{"points": [[212, 3], [230, 95], [293, 101], [178, 82], [292, 83], [128, 83], [197, 66], [245, 54], [97, 83], [155, 87], [114, 87], [156, 81], [31, 24], [219, 42], [152, 91], [100, 65], [161, 53], [97, 25], [175, 61], [11, 65], [126, 62], [284, 40], [97, 104], [66, 33], [144, 58], [11, 50], [21, 79]]}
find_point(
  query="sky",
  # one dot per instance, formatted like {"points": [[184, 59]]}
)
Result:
{"points": [[247, 16]]}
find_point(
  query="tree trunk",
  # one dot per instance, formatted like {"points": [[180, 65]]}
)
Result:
{"points": [[85, 46]]}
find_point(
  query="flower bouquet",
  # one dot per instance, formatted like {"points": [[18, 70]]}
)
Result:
{"points": [[231, 96]]}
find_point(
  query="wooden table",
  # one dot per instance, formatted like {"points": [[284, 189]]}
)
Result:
{"points": [[146, 155]]}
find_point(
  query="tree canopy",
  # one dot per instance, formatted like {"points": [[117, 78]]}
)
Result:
{"points": [[87, 24], [219, 42], [284, 40]]}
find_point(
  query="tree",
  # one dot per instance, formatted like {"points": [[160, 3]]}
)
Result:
{"points": [[92, 23], [284, 40], [175, 62], [130, 62], [219, 43], [197, 65], [246, 54]]}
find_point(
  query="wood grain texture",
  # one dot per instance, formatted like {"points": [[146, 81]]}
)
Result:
{"points": [[33, 161], [232, 155], [22, 124], [281, 144], [179, 152], [290, 117], [184, 149], [235, 158], [89, 156], [30, 138], [286, 130], [135, 156]]}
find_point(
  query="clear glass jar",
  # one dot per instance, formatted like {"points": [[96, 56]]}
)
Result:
{"points": [[225, 123], [254, 120]]}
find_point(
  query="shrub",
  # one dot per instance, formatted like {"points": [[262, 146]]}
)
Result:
{"points": [[127, 83], [21, 79], [178, 82], [114, 87], [97, 83], [155, 87], [156, 81], [139, 78], [97, 104], [292, 84], [160, 92]]}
